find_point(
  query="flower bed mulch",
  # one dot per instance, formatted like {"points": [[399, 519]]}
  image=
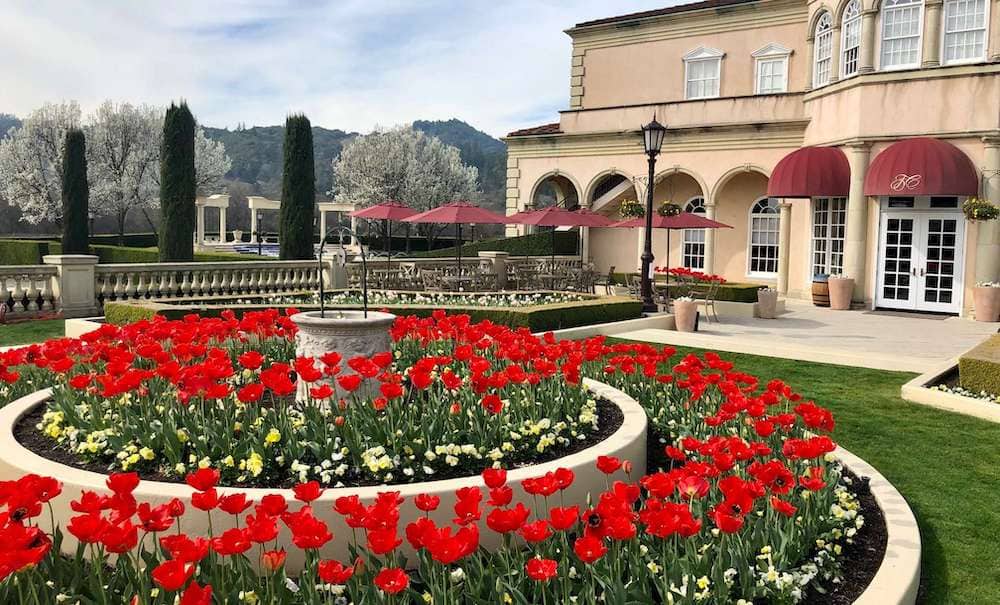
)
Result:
{"points": [[609, 420]]}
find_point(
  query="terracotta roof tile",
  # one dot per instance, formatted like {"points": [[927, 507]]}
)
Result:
{"points": [[670, 10], [552, 128]]}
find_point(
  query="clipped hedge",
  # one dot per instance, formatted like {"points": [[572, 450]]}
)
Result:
{"points": [[26, 252], [979, 369], [538, 319], [535, 244]]}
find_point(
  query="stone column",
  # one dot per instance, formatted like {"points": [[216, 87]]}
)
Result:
{"points": [[354, 229], [222, 225], [499, 262], [866, 59], [253, 226], [585, 243], [835, 53], [322, 224], [988, 232], [932, 33], [73, 286], [710, 238], [811, 57], [200, 232], [994, 36], [784, 240], [856, 236]]}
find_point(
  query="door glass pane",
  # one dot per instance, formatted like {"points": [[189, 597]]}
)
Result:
{"points": [[939, 280], [896, 265]]}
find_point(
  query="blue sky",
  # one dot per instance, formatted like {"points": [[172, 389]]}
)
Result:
{"points": [[349, 64]]}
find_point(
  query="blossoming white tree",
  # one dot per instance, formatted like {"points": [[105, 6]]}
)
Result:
{"points": [[123, 154], [405, 165], [31, 162]]}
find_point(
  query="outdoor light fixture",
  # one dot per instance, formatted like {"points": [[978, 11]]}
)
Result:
{"points": [[652, 141]]}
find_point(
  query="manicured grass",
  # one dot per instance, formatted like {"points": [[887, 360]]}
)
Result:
{"points": [[946, 465], [27, 332]]}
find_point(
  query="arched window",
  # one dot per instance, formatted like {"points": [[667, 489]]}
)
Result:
{"points": [[823, 50], [763, 249], [964, 30], [851, 39], [694, 239], [901, 32]]}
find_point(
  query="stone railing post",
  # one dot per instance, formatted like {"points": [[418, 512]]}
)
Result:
{"points": [[334, 271], [73, 287], [499, 261]]}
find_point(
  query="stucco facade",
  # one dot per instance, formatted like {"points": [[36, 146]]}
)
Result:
{"points": [[700, 69]]}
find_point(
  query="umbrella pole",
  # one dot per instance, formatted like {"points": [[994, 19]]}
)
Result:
{"points": [[458, 250], [388, 251], [552, 260], [667, 283]]}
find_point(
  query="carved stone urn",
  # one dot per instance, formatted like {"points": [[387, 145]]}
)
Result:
{"points": [[349, 333]]}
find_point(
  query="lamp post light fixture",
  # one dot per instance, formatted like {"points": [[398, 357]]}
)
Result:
{"points": [[652, 141], [90, 219], [260, 241]]}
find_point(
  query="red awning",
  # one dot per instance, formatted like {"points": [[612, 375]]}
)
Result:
{"points": [[811, 172], [922, 166]]}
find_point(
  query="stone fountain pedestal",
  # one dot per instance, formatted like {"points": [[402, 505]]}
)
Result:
{"points": [[347, 332]]}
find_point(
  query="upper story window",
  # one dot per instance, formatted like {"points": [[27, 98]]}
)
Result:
{"points": [[964, 30], [771, 68], [851, 39], [901, 31], [702, 72], [823, 50]]}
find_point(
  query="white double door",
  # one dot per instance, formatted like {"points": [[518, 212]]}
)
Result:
{"points": [[920, 261]]}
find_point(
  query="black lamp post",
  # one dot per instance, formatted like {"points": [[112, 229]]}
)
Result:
{"points": [[652, 141], [260, 241]]}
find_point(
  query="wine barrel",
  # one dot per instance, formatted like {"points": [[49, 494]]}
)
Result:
{"points": [[821, 291]]}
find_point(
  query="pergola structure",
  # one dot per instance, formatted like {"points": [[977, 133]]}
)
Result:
{"points": [[220, 201], [257, 203]]}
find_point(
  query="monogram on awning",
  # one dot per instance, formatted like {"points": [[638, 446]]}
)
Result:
{"points": [[922, 166]]}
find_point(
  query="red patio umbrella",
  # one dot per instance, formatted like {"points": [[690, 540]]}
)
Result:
{"points": [[458, 213], [386, 211], [683, 220]]}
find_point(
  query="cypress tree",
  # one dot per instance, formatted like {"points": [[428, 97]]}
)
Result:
{"points": [[75, 194], [298, 191], [177, 185]]}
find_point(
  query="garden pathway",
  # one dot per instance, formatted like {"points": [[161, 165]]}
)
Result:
{"points": [[871, 339]]}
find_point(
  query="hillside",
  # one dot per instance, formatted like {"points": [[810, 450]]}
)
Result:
{"points": [[7, 122], [478, 149]]}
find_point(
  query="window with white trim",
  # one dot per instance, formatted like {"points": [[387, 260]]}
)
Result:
{"points": [[901, 33], [823, 50], [694, 239], [829, 224], [762, 253], [850, 43], [702, 73], [771, 69], [964, 30]]}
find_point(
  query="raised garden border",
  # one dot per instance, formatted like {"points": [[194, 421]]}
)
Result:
{"points": [[918, 391], [538, 318], [627, 443]]}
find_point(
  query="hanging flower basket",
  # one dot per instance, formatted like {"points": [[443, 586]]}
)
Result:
{"points": [[976, 209], [668, 208], [631, 209]]}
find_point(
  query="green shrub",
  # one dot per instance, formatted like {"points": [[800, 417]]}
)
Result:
{"points": [[539, 319], [298, 191], [979, 369], [75, 194], [23, 252], [177, 185], [536, 244], [728, 292]]}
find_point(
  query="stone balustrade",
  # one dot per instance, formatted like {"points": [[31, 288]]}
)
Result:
{"points": [[178, 280], [27, 290]]}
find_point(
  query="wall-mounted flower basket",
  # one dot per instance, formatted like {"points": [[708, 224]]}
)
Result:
{"points": [[976, 209]]}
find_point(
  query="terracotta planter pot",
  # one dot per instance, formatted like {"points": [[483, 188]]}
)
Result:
{"points": [[986, 302], [685, 315], [767, 304], [841, 290]]}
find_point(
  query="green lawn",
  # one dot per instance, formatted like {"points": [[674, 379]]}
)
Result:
{"points": [[946, 465], [26, 332]]}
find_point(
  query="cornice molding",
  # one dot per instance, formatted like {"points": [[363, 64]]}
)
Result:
{"points": [[909, 75]]}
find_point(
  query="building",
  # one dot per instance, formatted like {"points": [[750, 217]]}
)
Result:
{"points": [[835, 136]]}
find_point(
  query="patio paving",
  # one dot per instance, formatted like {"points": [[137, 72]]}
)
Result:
{"points": [[882, 340]]}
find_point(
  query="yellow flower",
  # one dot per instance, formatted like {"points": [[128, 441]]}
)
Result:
{"points": [[255, 464], [273, 436], [182, 436], [147, 454]]}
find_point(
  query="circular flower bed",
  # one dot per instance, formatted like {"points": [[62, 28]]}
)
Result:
{"points": [[745, 501]]}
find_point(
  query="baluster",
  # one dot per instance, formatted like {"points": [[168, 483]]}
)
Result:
{"points": [[161, 284], [140, 285], [267, 281], [130, 285], [204, 283], [239, 285], [212, 279], [185, 284], [172, 285], [31, 295]]}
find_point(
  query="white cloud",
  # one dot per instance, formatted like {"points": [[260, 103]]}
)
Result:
{"points": [[348, 64]]}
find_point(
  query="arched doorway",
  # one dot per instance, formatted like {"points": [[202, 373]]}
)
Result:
{"points": [[750, 250], [555, 189]]}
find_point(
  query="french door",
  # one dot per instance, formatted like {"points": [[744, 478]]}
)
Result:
{"points": [[921, 261]]}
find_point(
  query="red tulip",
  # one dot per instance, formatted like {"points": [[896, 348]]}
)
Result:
{"points": [[541, 570], [392, 580], [172, 575]]}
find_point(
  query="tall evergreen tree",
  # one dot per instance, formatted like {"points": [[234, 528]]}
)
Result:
{"points": [[298, 191], [178, 185], [75, 194]]}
